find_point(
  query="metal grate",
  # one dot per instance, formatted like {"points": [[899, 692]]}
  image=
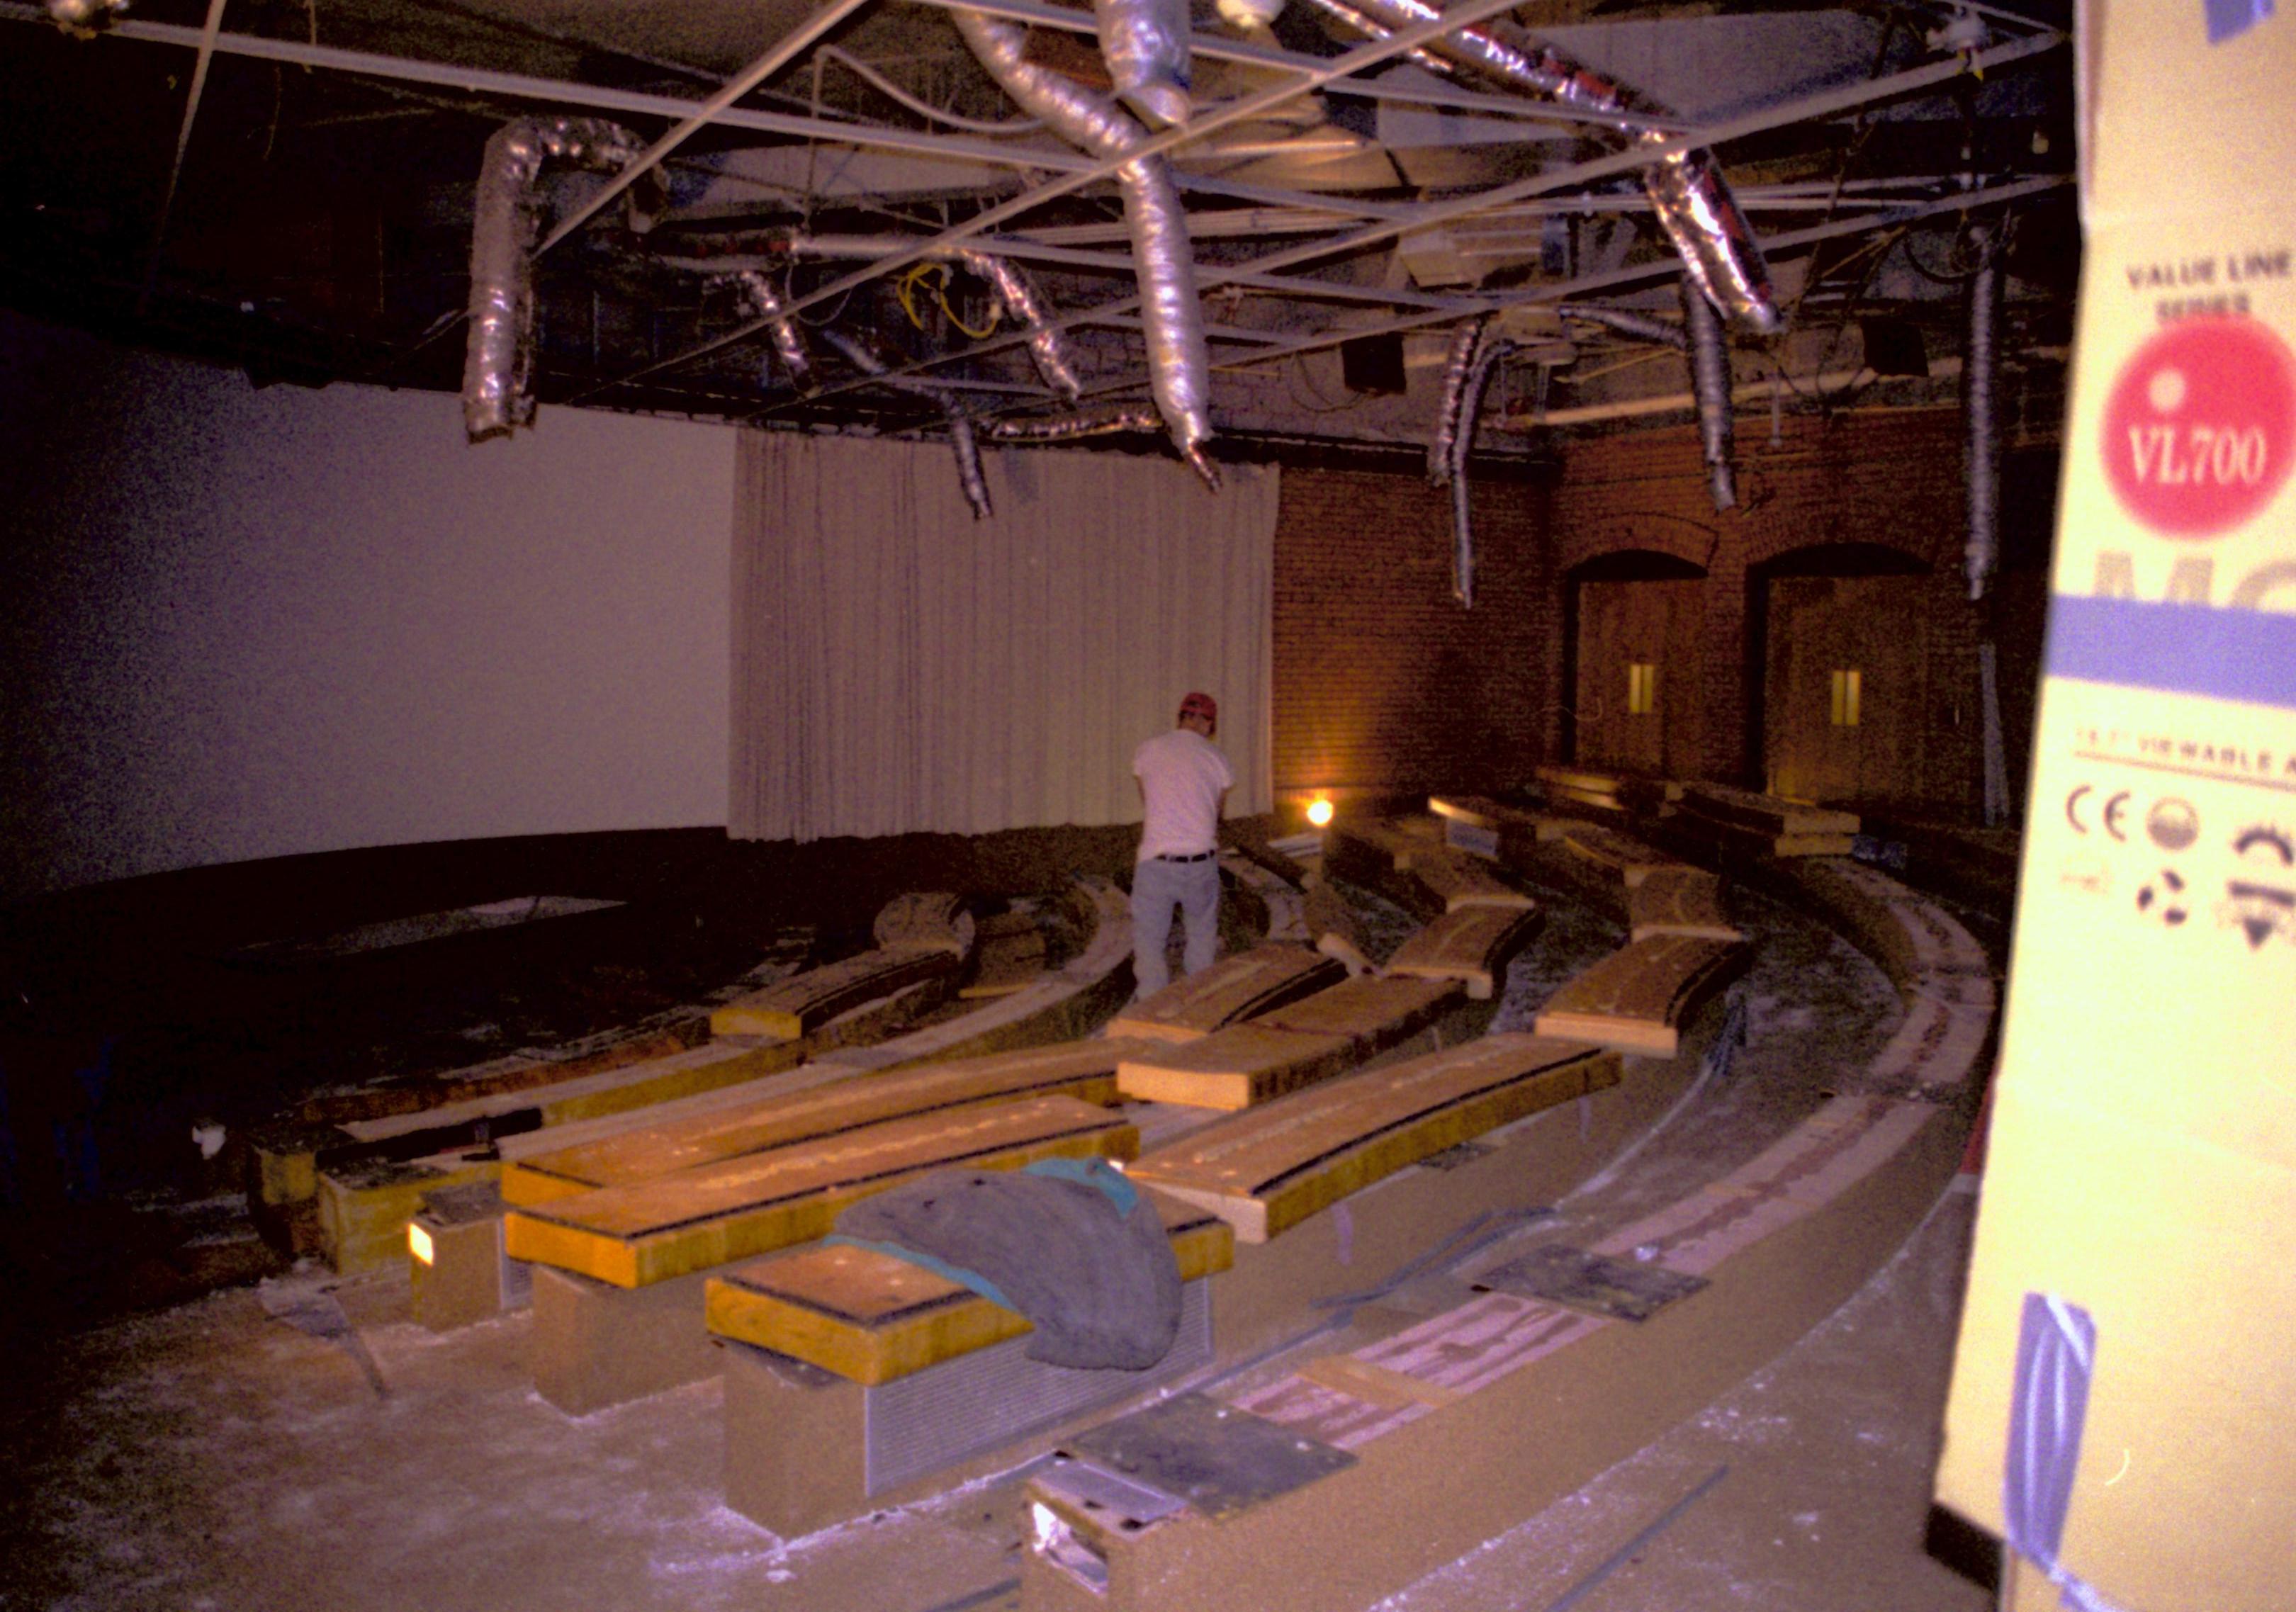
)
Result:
{"points": [[930, 1419]]}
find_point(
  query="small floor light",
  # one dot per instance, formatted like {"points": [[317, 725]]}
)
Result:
{"points": [[1319, 811]]}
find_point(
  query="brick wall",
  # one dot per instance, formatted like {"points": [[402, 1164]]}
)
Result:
{"points": [[1383, 683]]}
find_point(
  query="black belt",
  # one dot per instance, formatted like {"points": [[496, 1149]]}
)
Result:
{"points": [[1198, 856]]}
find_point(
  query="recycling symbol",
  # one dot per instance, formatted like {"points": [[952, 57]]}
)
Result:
{"points": [[2164, 898]]}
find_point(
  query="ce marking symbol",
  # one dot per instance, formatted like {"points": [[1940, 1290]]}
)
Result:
{"points": [[2114, 806]]}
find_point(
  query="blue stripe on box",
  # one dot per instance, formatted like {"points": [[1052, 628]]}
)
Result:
{"points": [[2181, 649], [2228, 19]]}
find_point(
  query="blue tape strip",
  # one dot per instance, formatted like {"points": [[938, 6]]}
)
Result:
{"points": [[2180, 649], [1091, 1173], [958, 1274], [2048, 1407], [2227, 19]]}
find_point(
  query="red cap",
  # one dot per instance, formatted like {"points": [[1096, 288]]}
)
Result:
{"points": [[1200, 705]]}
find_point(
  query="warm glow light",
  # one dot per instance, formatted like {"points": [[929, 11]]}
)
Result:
{"points": [[418, 1243], [1319, 811]]}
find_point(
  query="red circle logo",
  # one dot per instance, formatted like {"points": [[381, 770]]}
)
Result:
{"points": [[2201, 426]]}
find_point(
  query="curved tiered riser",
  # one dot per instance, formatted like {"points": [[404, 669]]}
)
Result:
{"points": [[652, 1230], [1636, 999], [1472, 945], [871, 1317], [801, 1004], [1266, 1170], [1678, 901], [1292, 1046], [1434, 1415], [1241, 985]]}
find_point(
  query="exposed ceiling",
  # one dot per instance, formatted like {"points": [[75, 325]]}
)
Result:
{"points": [[313, 221]]}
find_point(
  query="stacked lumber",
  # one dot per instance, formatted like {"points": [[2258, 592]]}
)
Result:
{"points": [[1242, 985], [1472, 822], [1471, 945], [1267, 1169], [1295, 1046], [1338, 933], [1614, 853], [1740, 820], [1649, 796], [792, 1009], [871, 1317], [1636, 999], [1082, 1069], [1372, 853], [1678, 901], [652, 1230], [1581, 790], [1448, 880]]}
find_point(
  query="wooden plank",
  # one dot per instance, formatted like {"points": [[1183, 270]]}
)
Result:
{"points": [[1585, 780], [1240, 986], [1636, 999], [1267, 1169], [931, 919], [1082, 1069], [652, 1230], [364, 1207], [1481, 811], [1235, 1068], [871, 1317], [1472, 945], [1621, 854], [1374, 1014], [1453, 880], [661, 1036], [1337, 932], [789, 1008], [1366, 851], [1678, 901], [1768, 815]]}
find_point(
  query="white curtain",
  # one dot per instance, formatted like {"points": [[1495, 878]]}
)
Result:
{"points": [[899, 666]]}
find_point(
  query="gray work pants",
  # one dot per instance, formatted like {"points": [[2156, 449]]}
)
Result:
{"points": [[1157, 888]]}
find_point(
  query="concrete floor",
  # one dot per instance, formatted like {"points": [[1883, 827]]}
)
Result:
{"points": [[213, 1455]]}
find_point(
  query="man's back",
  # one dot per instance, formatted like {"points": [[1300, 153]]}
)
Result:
{"points": [[1182, 777]]}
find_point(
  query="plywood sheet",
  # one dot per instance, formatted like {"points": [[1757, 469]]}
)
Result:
{"points": [[1238, 1066], [1376, 1014], [1240, 986], [1083, 1069], [789, 1008], [1268, 1169], [871, 1317], [651, 1230], [1636, 999], [1472, 945], [1678, 901]]}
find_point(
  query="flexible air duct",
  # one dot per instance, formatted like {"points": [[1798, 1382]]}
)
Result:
{"points": [[1687, 191], [1179, 363], [1709, 383], [1145, 44], [1023, 304], [1462, 443], [763, 302], [1626, 321], [1466, 338], [961, 443], [498, 366], [1979, 400], [1105, 421], [83, 18]]}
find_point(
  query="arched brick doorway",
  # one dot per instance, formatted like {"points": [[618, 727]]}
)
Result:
{"points": [[1632, 663]]}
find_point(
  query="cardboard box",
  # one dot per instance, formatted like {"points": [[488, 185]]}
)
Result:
{"points": [[2143, 1158]]}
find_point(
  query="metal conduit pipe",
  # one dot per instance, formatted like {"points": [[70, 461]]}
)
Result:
{"points": [[1102, 422], [1980, 399], [1687, 191], [962, 443], [1709, 383], [1626, 321], [1179, 363], [1146, 44], [1466, 338], [1348, 17], [762, 301], [498, 363], [1462, 443]]}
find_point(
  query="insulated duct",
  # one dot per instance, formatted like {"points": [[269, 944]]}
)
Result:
{"points": [[1023, 304], [1102, 422], [1466, 338], [1709, 383], [1145, 44], [1980, 370], [1626, 321], [1462, 442], [1179, 363], [961, 441], [1687, 191], [498, 366], [84, 19], [763, 302]]}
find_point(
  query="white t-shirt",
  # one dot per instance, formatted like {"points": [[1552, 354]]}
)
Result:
{"points": [[1183, 775]]}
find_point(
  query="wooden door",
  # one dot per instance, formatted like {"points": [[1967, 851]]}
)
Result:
{"points": [[1845, 687], [1637, 680]]}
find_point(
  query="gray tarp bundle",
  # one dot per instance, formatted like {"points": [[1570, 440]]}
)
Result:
{"points": [[1096, 1280]]}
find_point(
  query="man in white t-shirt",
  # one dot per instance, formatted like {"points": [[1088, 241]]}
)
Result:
{"points": [[1184, 780]]}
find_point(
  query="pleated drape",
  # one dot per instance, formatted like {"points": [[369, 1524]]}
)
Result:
{"points": [[901, 667]]}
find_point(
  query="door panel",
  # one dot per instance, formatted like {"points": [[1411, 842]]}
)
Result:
{"points": [[1651, 624], [1820, 629]]}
